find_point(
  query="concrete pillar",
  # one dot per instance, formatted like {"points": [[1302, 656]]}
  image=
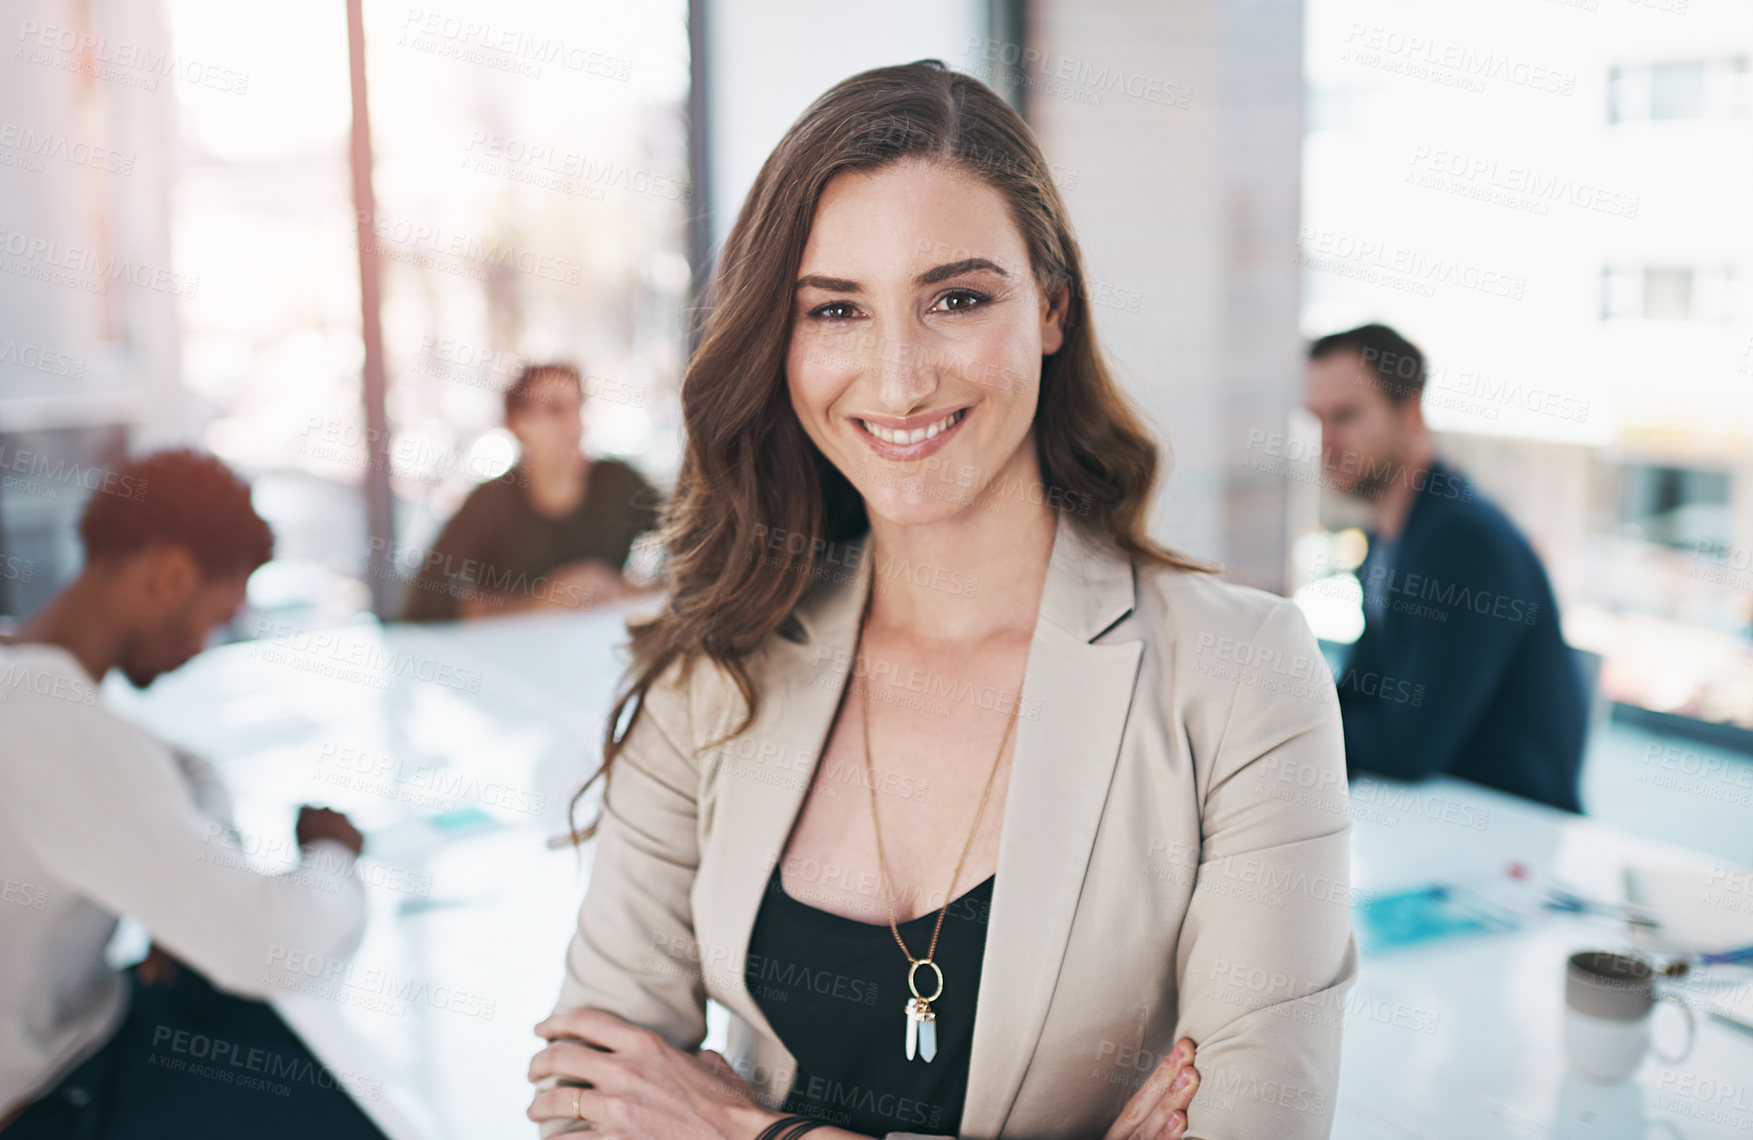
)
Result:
{"points": [[1183, 125]]}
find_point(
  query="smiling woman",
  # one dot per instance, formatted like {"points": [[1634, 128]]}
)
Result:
{"points": [[954, 325], [1100, 813]]}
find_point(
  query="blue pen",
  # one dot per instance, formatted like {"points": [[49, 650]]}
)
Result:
{"points": [[1744, 954], [1561, 899]]}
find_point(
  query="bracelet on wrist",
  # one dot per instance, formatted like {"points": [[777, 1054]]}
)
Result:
{"points": [[790, 1127]]}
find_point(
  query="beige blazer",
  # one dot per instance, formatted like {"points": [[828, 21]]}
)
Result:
{"points": [[1173, 860]]}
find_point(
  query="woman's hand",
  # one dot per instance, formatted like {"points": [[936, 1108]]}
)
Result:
{"points": [[638, 1085], [157, 968], [1158, 1110]]}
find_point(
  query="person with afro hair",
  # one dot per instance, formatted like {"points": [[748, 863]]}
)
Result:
{"points": [[99, 820]]}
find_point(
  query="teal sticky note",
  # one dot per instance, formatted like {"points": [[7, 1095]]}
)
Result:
{"points": [[1426, 914], [462, 819]]}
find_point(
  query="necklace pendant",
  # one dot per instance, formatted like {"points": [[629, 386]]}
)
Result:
{"points": [[921, 1030]]}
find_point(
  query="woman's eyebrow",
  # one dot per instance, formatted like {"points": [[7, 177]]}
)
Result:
{"points": [[942, 272], [830, 284], [929, 277]]}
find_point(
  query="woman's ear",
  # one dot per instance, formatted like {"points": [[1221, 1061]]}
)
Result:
{"points": [[1053, 320]]}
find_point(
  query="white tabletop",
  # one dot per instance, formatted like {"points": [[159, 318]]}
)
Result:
{"points": [[1462, 1037], [456, 747]]}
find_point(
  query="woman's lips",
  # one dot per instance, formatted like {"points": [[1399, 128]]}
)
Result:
{"points": [[919, 450]]}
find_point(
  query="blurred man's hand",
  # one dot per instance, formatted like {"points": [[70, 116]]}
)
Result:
{"points": [[316, 823], [585, 584]]}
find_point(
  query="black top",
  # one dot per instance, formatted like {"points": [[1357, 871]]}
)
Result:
{"points": [[1465, 670], [498, 543], [835, 991]]}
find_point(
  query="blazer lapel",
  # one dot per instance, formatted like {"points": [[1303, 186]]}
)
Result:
{"points": [[1060, 771], [810, 663], [1059, 777]]}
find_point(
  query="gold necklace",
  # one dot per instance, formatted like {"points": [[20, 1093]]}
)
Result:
{"points": [[921, 1018]]}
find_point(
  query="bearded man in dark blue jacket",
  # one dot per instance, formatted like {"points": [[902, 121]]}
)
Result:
{"points": [[1462, 668]]}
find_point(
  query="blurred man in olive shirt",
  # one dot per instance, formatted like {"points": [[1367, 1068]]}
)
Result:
{"points": [[554, 532]]}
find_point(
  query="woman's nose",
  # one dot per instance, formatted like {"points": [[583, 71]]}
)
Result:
{"points": [[902, 370]]}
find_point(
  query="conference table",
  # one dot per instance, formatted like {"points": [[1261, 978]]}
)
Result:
{"points": [[456, 749]]}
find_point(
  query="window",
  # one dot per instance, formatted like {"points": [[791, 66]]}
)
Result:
{"points": [[49, 473], [1681, 507], [531, 203], [1690, 89], [1668, 293]]}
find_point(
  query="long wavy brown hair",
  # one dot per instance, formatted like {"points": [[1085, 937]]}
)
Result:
{"points": [[750, 470]]}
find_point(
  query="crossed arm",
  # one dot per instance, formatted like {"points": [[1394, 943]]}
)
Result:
{"points": [[1266, 953], [624, 1040]]}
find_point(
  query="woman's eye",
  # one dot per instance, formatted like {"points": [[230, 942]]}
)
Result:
{"points": [[961, 300], [833, 311]]}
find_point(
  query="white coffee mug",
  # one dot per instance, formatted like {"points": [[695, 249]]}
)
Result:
{"points": [[1607, 1003]]}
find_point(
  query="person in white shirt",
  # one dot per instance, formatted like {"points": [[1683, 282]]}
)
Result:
{"points": [[99, 821]]}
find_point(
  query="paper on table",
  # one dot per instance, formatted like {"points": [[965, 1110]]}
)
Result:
{"points": [[1700, 909], [1735, 1005]]}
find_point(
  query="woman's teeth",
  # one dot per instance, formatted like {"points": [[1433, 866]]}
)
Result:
{"points": [[917, 434]]}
